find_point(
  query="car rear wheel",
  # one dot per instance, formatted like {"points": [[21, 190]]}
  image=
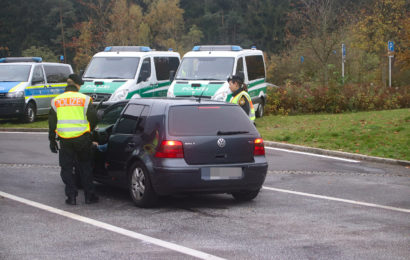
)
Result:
{"points": [[261, 109], [140, 187], [29, 113], [245, 195]]}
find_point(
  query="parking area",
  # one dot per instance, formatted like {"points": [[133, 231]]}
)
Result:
{"points": [[310, 208]]}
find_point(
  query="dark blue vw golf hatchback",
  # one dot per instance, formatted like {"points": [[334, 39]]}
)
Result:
{"points": [[157, 146]]}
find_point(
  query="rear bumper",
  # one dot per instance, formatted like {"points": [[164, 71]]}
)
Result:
{"points": [[11, 107], [169, 180]]}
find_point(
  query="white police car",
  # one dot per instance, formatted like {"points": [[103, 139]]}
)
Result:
{"points": [[204, 72], [27, 86]]}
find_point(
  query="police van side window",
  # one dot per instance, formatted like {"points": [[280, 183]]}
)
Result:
{"points": [[56, 74], [256, 69], [239, 66], [163, 65], [129, 122], [38, 76], [145, 72]]}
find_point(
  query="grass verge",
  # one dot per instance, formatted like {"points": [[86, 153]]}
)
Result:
{"points": [[376, 133]]}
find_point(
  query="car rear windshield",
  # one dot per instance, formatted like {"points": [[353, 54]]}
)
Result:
{"points": [[112, 68], [207, 120], [14, 72]]}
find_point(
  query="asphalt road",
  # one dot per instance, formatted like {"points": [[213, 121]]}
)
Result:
{"points": [[310, 208]]}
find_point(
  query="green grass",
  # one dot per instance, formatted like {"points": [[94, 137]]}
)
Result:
{"points": [[41, 122], [377, 133]]}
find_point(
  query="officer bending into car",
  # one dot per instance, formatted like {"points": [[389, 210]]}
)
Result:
{"points": [[240, 95], [72, 117]]}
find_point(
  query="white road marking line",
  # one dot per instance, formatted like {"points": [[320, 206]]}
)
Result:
{"points": [[312, 154], [122, 231], [338, 199]]}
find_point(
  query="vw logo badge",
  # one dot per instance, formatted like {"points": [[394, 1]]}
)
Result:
{"points": [[94, 96], [221, 142]]}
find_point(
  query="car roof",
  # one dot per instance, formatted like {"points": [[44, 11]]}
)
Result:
{"points": [[137, 54], [179, 101], [246, 52]]}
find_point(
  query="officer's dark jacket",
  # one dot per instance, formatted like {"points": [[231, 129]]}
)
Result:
{"points": [[243, 102], [52, 117]]}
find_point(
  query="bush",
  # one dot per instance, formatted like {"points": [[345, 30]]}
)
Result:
{"points": [[293, 98]]}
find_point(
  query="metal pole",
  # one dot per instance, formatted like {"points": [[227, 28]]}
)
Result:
{"points": [[390, 71], [343, 70], [62, 33]]}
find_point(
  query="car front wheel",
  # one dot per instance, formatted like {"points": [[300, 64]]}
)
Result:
{"points": [[140, 187], [245, 195], [29, 113]]}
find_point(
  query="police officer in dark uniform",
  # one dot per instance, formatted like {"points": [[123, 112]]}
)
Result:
{"points": [[240, 95], [72, 117]]}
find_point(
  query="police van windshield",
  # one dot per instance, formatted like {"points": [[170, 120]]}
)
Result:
{"points": [[112, 68], [14, 72], [205, 68]]}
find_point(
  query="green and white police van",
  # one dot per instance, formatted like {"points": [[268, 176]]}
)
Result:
{"points": [[204, 71], [27, 86], [124, 72]]}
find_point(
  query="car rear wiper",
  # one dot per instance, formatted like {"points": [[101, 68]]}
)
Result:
{"points": [[231, 132]]}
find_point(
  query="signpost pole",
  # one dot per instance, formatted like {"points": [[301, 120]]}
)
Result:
{"points": [[390, 48], [343, 62]]}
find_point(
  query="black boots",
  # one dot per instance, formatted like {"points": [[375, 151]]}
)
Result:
{"points": [[91, 198], [70, 201]]}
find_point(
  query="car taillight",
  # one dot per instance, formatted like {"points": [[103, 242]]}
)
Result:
{"points": [[170, 149], [259, 147]]}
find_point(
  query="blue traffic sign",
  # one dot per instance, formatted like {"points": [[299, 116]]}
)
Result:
{"points": [[302, 59], [343, 50], [390, 46]]}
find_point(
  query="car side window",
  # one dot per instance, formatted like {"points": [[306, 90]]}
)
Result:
{"points": [[255, 66], [111, 116], [56, 74], [145, 72], [239, 66], [163, 65], [38, 76], [130, 121]]}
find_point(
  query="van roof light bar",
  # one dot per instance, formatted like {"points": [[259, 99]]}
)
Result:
{"points": [[217, 48], [127, 48], [21, 59]]}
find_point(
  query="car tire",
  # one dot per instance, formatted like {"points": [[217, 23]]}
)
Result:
{"points": [[245, 195], [261, 110], [29, 115], [140, 188]]}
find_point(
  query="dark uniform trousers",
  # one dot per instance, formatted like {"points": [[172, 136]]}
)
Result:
{"points": [[78, 148]]}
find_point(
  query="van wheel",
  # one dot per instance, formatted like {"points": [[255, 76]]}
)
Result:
{"points": [[140, 187], [261, 109], [245, 195], [29, 113]]}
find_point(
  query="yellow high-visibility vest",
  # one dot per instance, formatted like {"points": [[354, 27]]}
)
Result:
{"points": [[236, 99], [71, 108]]}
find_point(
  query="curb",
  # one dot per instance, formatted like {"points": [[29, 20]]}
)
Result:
{"points": [[353, 156], [293, 147]]}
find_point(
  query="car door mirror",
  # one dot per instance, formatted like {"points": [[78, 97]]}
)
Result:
{"points": [[171, 75]]}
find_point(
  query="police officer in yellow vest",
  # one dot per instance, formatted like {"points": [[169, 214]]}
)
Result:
{"points": [[72, 117], [240, 95]]}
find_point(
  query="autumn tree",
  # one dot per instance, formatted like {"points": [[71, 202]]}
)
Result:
{"points": [[319, 24], [125, 21], [382, 22], [166, 23]]}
